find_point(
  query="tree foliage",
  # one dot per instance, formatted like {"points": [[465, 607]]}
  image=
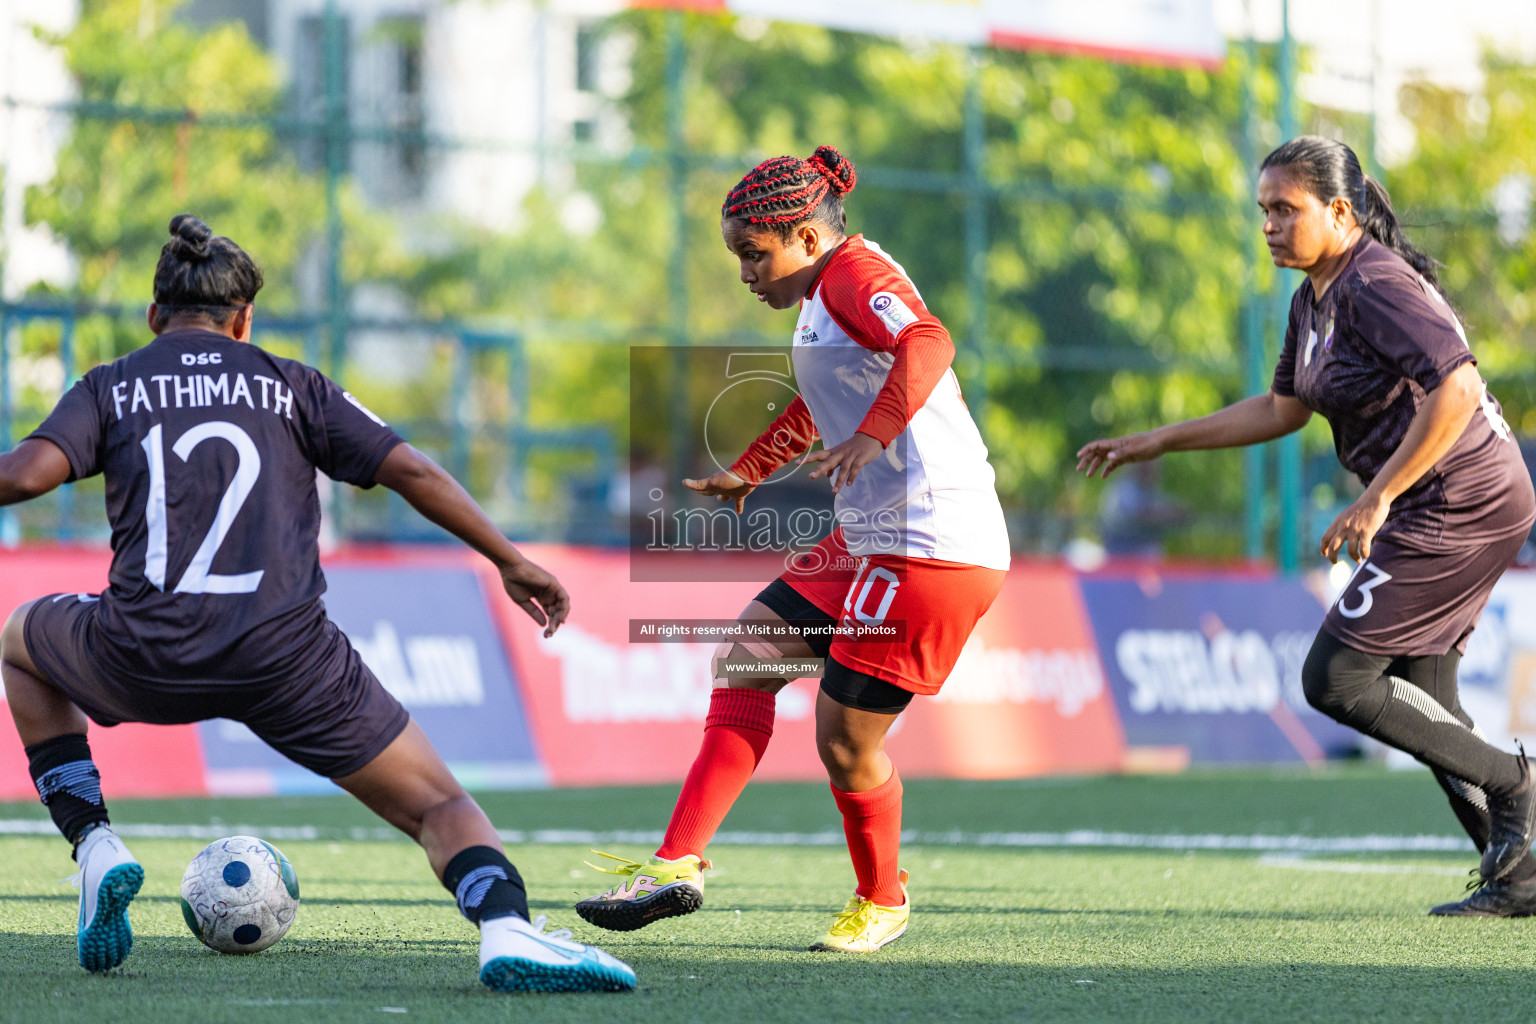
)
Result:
{"points": [[119, 180], [1121, 239], [1466, 194], [1118, 242], [180, 119]]}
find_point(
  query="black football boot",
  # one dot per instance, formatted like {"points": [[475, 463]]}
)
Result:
{"points": [[1499, 898], [1512, 815]]}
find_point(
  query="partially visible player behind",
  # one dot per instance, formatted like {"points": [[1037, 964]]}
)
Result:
{"points": [[921, 545], [209, 447], [1374, 347]]}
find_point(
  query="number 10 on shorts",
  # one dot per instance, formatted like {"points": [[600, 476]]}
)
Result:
{"points": [[868, 580]]}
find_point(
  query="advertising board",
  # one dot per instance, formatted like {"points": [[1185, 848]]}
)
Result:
{"points": [[421, 623], [1028, 696], [1213, 665]]}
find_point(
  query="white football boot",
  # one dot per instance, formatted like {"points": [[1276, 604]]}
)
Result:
{"points": [[516, 956], [109, 879]]}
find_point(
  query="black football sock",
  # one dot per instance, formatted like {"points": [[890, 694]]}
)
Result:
{"points": [[485, 884], [68, 784], [1367, 692], [1468, 802]]}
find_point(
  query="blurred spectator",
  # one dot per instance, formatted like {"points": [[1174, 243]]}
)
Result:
{"points": [[1136, 514]]}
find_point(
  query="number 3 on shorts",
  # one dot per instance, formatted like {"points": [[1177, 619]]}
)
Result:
{"points": [[197, 579], [1366, 597]]}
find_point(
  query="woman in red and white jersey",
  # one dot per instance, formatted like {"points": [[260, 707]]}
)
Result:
{"points": [[889, 598]]}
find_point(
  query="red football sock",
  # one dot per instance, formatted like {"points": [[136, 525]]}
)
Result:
{"points": [[736, 732], [872, 823]]}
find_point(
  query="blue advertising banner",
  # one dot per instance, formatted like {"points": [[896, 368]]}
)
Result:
{"points": [[1213, 666], [426, 633]]}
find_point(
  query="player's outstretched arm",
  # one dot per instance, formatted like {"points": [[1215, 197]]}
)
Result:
{"points": [[788, 436], [437, 496], [724, 485], [34, 468], [1251, 421]]}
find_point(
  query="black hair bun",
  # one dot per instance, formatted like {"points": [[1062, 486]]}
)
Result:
{"points": [[836, 168], [189, 237]]}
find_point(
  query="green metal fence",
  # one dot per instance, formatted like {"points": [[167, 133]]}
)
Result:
{"points": [[495, 443]]}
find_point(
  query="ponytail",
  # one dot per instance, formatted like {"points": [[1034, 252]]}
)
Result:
{"points": [[1380, 222], [786, 191]]}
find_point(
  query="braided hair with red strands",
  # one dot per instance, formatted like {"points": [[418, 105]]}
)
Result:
{"points": [[785, 191]]}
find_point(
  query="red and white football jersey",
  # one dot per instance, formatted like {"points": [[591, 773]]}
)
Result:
{"points": [[870, 357]]}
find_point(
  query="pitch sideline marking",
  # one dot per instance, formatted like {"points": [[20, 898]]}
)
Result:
{"points": [[1353, 867], [1081, 838]]}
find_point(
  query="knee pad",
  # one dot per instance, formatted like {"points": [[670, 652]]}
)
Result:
{"points": [[740, 649]]}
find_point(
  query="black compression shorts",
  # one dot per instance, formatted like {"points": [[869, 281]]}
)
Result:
{"points": [[849, 687], [862, 692], [796, 609], [331, 715]]}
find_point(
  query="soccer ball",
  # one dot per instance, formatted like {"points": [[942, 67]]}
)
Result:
{"points": [[239, 895]]}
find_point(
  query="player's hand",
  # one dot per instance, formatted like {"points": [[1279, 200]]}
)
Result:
{"points": [[1355, 528], [537, 593], [726, 486], [843, 463], [1111, 453]]}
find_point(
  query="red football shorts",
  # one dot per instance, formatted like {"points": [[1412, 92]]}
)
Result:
{"points": [[929, 607]]}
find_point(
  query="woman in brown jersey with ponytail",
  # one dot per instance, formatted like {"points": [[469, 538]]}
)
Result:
{"points": [[1373, 345]]}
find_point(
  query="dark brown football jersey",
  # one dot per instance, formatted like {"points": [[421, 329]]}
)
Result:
{"points": [[1365, 356], [209, 448]]}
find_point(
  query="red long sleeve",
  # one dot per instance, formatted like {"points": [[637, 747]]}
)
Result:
{"points": [[870, 297], [923, 353], [786, 438]]}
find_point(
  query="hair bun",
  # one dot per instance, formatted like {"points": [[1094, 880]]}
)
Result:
{"points": [[189, 236], [836, 168]]}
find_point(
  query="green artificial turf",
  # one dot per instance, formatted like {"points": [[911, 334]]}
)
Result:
{"points": [[996, 934]]}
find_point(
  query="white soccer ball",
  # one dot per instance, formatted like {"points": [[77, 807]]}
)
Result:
{"points": [[239, 895]]}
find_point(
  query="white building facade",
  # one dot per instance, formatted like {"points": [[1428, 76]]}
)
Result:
{"points": [[486, 93]]}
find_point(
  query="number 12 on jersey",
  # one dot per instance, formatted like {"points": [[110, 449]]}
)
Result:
{"points": [[197, 579]]}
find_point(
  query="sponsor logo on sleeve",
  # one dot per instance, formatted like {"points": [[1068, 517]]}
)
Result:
{"points": [[894, 313], [363, 409]]}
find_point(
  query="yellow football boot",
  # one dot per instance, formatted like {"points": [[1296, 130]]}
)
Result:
{"points": [[653, 890], [865, 926]]}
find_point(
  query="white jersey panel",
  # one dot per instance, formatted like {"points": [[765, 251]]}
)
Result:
{"points": [[932, 494]]}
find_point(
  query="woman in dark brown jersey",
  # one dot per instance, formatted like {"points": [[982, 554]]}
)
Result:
{"points": [[214, 605], [1374, 347]]}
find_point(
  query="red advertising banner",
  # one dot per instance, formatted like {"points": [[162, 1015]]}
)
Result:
{"points": [[609, 712], [1027, 698], [135, 760]]}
